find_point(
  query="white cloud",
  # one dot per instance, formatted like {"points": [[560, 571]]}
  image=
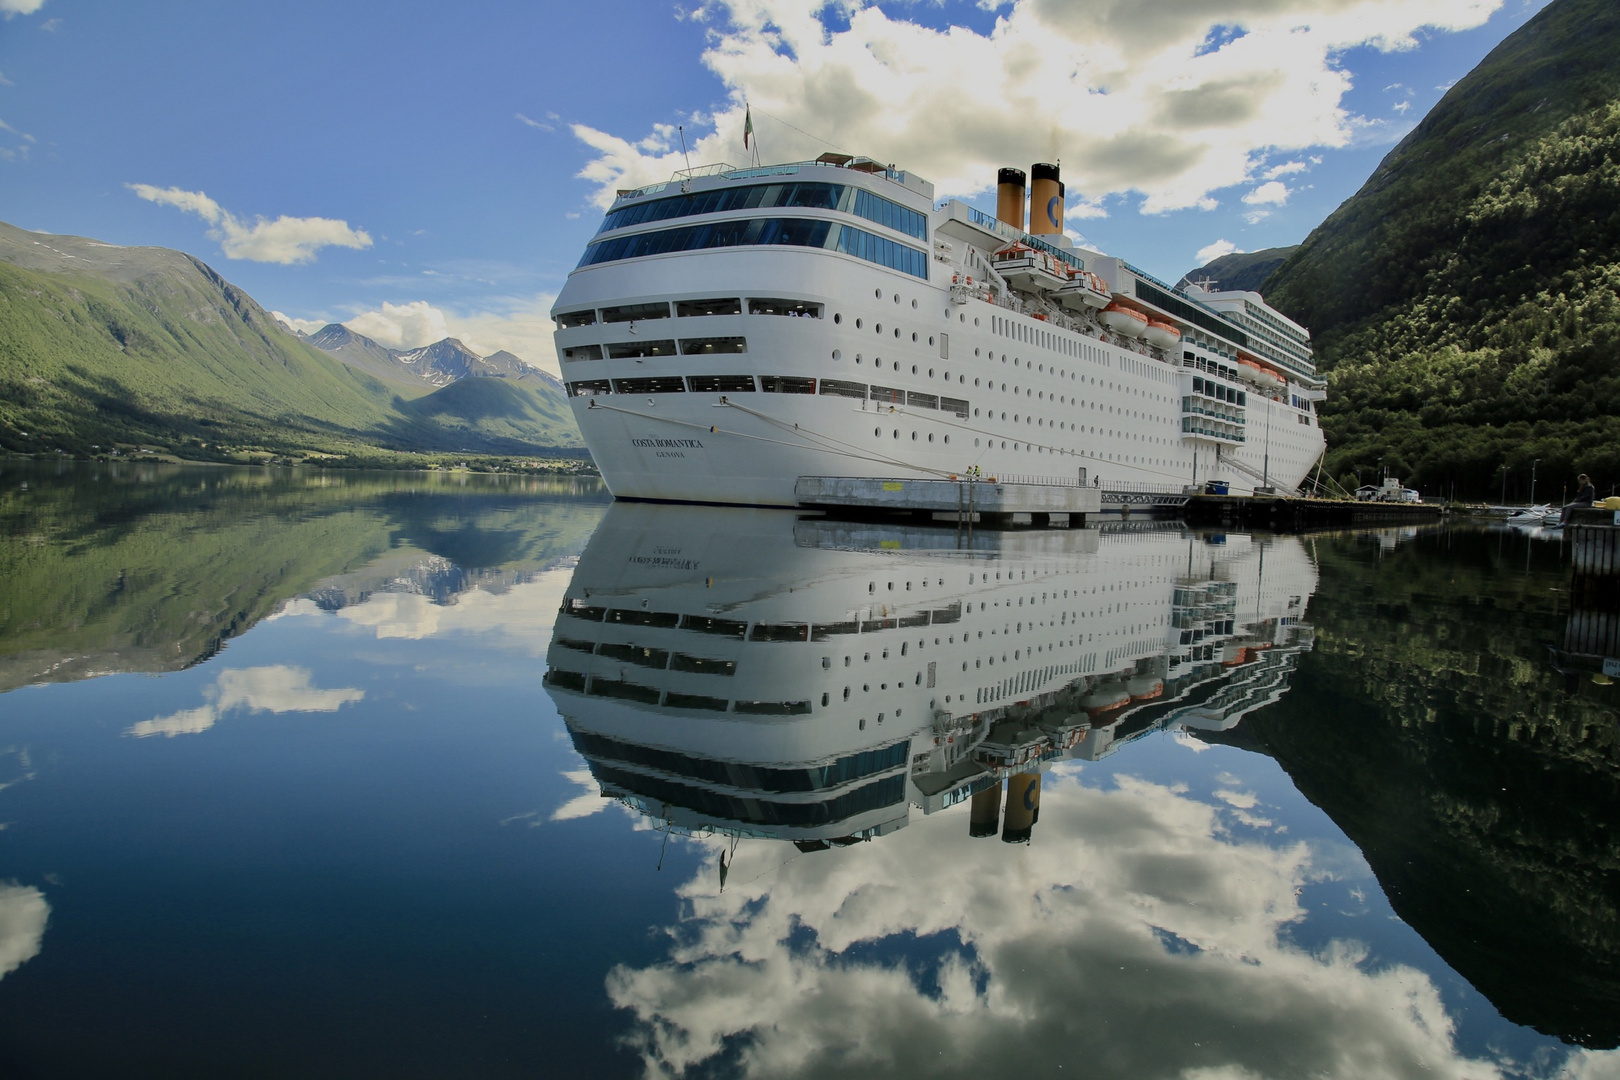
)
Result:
{"points": [[534, 123], [274, 688], [308, 326], [583, 805], [1210, 252], [11, 8], [521, 616], [5, 81], [520, 325], [1085, 209], [1285, 169], [1271, 193], [1138, 907], [23, 914], [954, 104], [284, 240], [13, 153], [402, 326]]}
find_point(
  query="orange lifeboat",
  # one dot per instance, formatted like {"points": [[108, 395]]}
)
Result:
{"points": [[1162, 335], [1123, 320], [1261, 375]]}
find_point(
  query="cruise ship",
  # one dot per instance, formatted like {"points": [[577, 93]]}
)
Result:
{"points": [[746, 672], [732, 330]]}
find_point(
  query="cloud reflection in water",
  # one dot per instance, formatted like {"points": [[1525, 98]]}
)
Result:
{"points": [[1140, 940]]}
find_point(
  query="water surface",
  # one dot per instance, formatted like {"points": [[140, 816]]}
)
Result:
{"points": [[439, 774]]}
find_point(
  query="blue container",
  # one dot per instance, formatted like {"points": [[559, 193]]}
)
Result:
{"points": [[1217, 487]]}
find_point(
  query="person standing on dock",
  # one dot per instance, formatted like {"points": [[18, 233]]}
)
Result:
{"points": [[1586, 497]]}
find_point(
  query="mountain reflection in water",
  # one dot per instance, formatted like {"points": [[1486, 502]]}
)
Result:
{"points": [[1134, 801]]}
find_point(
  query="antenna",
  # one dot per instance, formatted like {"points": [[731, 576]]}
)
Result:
{"points": [[682, 129]]}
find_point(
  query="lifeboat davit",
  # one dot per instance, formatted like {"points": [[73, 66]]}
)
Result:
{"points": [[1123, 320], [1261, 375], [1084, 290], [1022, 267], [1162, 334]]}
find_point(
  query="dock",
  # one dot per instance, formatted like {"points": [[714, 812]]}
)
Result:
{"points": [[991, 503], [1040, 503], [1592, 632], [1288, 513]]}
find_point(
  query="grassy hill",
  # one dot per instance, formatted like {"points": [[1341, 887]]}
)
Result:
{"points": [[1463, 302], [103, 346]]}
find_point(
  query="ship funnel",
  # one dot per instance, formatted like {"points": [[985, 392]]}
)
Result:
{"points": [[1010, 197], [1045, 201], [1023, 807], [986, 813]]}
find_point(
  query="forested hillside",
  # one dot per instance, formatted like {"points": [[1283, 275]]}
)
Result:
{"points": [[1463, 302]]}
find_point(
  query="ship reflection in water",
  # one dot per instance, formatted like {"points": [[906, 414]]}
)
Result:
{"points": [[841, 718], [750, 674]]}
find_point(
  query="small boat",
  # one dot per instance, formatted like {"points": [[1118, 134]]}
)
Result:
{"points": [[1532, 515]]}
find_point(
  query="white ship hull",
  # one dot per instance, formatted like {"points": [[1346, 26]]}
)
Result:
{"points": [[884, 351]]}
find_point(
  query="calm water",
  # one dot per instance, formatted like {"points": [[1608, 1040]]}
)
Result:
{"points": [[446, 775]]}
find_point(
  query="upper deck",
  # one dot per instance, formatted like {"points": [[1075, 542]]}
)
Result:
{"points": [[849, 205]]}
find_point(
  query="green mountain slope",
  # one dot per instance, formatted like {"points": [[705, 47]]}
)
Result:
{"points": [[1463, 300], [1246, 270], [1477, 781], [120, 566], [102, 345]]}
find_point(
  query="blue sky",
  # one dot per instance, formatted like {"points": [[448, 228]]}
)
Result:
{"points": [[417, 170]]}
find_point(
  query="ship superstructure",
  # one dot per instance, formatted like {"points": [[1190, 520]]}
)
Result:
{"points": [[747, 672], [735, 329]]}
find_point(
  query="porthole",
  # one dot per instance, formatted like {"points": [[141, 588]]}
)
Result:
{"points": [[930, 339], [930, 436], [837, 318], [897, 334], [914, 369], [914, 305], [837, 355], [877, 432], [913, 337], [857, 324], [897, 433], [896, 297], [913, 436], [975, 320], [857, 358], [877, 327], [878, 293]]}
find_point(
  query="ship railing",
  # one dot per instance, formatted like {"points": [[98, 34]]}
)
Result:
{"points": [[1043, 481], [716, 169], [1135, 488]]}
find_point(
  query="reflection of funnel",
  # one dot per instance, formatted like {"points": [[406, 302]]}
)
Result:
{"points": [[982, 819], [1023, 807]]}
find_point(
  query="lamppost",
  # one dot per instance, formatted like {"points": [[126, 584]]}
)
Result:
{"points": [[1533, 465]]}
